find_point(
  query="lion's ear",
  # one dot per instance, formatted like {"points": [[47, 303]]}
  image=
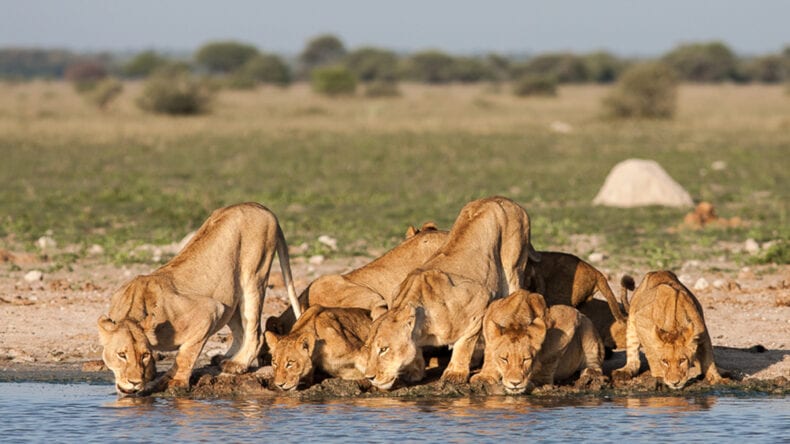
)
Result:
{"points": [[665, 336], [410, 232], [106, 327], [308, 343], [429, 226], [271, 339], [537, 330]]}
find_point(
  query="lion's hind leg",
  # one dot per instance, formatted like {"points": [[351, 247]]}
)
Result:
{"points": [[249, 329]]}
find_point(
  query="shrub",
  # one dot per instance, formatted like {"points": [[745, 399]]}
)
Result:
{"points": [[85, 74], [267, 68], [143, 64], [703, 62], [370, 64], [564, 67], [105, 92], [320, 51], [334, 81], [768, 69], [382, 88], [603, 67], [645, 90], [431, 67], [224, 57], [173, 90], [468, 70], [535, 85]]}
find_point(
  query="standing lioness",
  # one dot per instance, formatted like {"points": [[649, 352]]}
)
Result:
{"points": [[444, 300], [218, 279], [666, 319]]}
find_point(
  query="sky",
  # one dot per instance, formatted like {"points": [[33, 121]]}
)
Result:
{"points": [[625, 27]]}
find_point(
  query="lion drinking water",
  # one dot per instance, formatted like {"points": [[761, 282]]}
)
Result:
{"points": [[444, 300], [218, 279], [527, 343]]}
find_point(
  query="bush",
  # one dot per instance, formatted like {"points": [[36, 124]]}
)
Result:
{"points": [[105, 92], [334, 81], [564, 67], [226, 56], [143, 64], [468, 70], [371, 64], [382, 88], [431, 67], [173, 90], [645, 90], [534, 85], [320, 51], [267, 68], [85, 74], [768, 69], [603, 67], [703, 62]]}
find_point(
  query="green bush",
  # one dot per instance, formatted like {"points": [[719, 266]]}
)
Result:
{"points": [[321, 50], [225, 56], [431, 67], [564, 67], [603, 67], [173, 90], [143, 64], [703, 62], [334, 81], [105, 92], [535, 85], [768, 69], [371, 64], [382, 88], [468, 70], [645, 90]]}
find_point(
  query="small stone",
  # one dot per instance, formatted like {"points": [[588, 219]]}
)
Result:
{"points": [[46, 243], [718, 165], [318, 259], [692, 264], [561, 127], [328, 241], [34, 275], [685, 279], [719, 284], [96, 250], [751, 246], [298, 249], [701, 284], [596, 257]]}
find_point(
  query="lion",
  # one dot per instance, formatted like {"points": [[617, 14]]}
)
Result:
{"points": [[218, 279], [371, 286], [666, 319], [328, 338], [529, 344], [565, 279], [612, 331], [443, 301]]}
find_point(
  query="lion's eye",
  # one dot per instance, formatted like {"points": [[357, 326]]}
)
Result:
{"points": [[145, 356], [665, 363], [122, 355], [289, 364], [274, 365], [383, 350], [525, 361], [683, 361], [503, 359]]}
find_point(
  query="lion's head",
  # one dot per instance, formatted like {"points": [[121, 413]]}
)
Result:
{"points": [[390, 347], [127, 353], [292, 358], [676, 351], [514, 351]]}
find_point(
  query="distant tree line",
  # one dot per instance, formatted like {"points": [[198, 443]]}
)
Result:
{"points": [[241, 65]]}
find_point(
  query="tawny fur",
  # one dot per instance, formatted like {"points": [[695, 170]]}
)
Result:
{"points": [[527, 343], [325, 338], [218, 279], [443, 301], [666, 320]]}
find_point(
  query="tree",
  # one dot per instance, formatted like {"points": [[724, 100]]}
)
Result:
{"points": [[226, 56], [334, 80], [266, 68], [564, 67], [85, 74], [645, 90], [467, 70], [143, 64], [703, 62], [603, 67], [769, 69], [322, 50], [370, 64], [431, 67]]}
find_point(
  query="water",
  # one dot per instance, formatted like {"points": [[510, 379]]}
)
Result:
{"points": [[36, 412]]}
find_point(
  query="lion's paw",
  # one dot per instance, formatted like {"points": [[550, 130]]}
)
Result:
{"points": [[232, 367], [455, 377]]}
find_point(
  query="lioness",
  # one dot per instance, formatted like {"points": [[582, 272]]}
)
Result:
{"points": [[666, 319], [372, 286], [444, 300], [612, 332], [218, 278], [526, 343], [326, 338]]}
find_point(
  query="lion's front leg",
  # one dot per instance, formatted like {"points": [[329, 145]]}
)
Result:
{"points": [[249, 312], [457, 370], [631, 367]]}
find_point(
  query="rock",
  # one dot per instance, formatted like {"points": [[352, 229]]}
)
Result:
{"points": [[746, 273], [298, 249], [596, 257], [690, 265], [685, 279], [719, 284], [638, 182], [96, 250], [328, 241], [46, 243], [751, 246], [718, 165], [34, 276], [701, 284], [561, 127], [316, 260]]}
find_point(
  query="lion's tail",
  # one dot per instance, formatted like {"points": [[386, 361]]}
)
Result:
{"points": [[626, 284], [285, 267]]}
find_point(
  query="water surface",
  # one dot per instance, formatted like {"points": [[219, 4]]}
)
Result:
{"points": [[35, 412]]}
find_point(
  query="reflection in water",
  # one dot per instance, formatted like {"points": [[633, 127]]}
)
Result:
{"points": [[86, 413]]}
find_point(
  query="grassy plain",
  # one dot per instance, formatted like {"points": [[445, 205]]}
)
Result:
{"points": [[361, 170]]}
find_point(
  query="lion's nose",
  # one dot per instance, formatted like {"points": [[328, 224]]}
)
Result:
{"points": [[371, 378], [514, 382], [137, 383]]}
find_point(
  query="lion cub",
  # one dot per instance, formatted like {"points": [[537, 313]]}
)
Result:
{"points": [[327, 338], [666, 319], [526, 343]]}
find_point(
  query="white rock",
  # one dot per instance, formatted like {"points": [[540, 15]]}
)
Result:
{"points": [[719, 284], [34, 275], [46, 243], [691, 264], [685, 279], [638, 182], [751, 246], [328, 241], [95, 250], [596, 257], [701, 284], [316, 260], [718, 165], [561, 127]]}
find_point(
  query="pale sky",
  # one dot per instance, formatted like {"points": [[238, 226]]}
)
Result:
{"points": [[625, 27]]}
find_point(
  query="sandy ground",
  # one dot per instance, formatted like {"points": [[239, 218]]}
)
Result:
{"points": [[51, 322]]}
